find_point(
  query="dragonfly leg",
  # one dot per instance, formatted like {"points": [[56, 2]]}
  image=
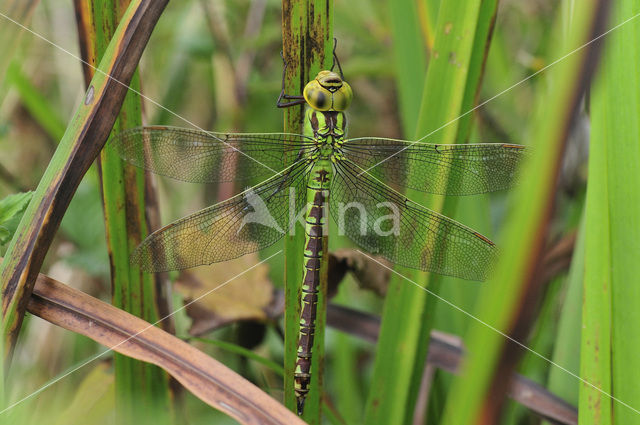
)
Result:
{"points": [[295, 100]]}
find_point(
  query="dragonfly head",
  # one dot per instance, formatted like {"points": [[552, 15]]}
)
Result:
{"points": [[328, 92]]}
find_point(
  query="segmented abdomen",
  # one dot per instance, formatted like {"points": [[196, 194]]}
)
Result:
{"points": [[316, 231]]}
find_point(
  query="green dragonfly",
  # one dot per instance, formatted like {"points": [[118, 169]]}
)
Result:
{"points": [[313, 172]]}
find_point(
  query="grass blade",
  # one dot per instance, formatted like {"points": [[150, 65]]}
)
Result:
{"points": [[83, 139], [38, 105], [409, 59], [478, 393], [446, 352], [10, 34], [567, 345], [307, 33], [294, 29], [11, 209], [241, 351], [140, 387], [610, 345], [449, 90], [595, 350]]}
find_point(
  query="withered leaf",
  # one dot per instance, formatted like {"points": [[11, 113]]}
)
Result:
{"points": [[229, 298]]}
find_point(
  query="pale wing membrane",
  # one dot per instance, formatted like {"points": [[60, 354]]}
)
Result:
{"points": [[206, 157], [248, 222], [385, 223], [461, 169]]}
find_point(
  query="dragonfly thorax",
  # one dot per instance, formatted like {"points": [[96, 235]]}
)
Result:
{"points": [[328, 129]]}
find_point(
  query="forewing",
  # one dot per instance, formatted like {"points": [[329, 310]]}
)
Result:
{"points": [[246, 223], [204, 157], [383, 222], [460, 169]]}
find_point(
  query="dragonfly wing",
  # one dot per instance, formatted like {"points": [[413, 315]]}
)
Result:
{"points": [[205, 157], [460, 169], [246, 223], [385, 223]]}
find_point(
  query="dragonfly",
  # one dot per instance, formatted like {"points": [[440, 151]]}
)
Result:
{"points": [[321, 173]]}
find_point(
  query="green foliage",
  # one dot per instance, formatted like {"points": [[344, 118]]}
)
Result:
{"points": [[409, 61], [499, 305], [450, 85], [140, 387], [11, 209], [566, 346], [609, 343]]}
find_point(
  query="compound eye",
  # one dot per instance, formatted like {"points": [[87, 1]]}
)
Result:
{"points": [[317, 96], [342, 97]]}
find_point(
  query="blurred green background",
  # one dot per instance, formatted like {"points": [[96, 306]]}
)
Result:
{"points": [[187, 68]]}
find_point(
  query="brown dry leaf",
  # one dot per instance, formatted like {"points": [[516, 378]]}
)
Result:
{"points": [[369, 272], [205, 377], [229, 298]]}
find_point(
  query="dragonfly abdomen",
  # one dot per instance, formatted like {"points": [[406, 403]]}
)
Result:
{"points": [[316, 232]]}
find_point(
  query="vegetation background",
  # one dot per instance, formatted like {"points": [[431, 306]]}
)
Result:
{"points": [[217, 65]]}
